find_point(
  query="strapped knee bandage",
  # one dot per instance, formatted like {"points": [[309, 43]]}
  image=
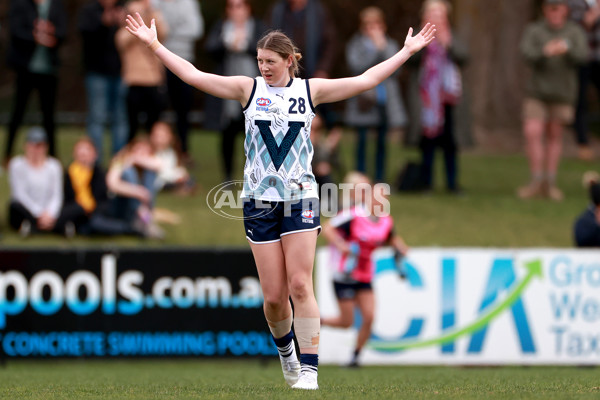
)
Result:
{"points": [[280, 328], [307, 332]]}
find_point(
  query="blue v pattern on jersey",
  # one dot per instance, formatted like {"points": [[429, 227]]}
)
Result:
{"points": [[277, 146], [277, 152]]}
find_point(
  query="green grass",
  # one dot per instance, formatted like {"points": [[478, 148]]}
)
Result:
{"points": [[190, 379], [488, 215]]}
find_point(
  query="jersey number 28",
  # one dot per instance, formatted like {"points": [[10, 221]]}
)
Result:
{"points": [[300, 102]]}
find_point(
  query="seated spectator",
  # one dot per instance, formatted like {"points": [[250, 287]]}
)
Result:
{"points": [[172, 175], [131, 178], [587, 225], [36, 183], [86, 208]]}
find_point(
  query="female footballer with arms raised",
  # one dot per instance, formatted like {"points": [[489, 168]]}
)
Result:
{"points": [[278, 109]]}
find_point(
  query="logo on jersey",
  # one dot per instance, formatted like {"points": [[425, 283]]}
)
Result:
{"points": [[263, 103], [307, 216]]}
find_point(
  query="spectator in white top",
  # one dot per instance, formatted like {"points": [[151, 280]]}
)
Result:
{"points": [[36, 186]]}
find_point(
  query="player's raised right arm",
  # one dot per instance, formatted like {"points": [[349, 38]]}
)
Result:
{"points": [[226, 87]]}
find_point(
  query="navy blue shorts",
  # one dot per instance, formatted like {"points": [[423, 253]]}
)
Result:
{"points": [[347, 291], [267, 221]]}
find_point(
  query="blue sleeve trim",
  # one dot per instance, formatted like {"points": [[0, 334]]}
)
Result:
{"points": [[312, 107], [251, 96]]}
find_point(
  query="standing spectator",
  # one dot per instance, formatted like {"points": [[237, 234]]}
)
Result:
{"points": [[232, 44], [186, 26], [143, 73], [380, 108], [587, 226], [98, 23], [36, 186], [436, 96], [587, 14], [311, 28], [553, 47], [37, 29]]}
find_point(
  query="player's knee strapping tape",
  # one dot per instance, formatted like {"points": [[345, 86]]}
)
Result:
{"points": [[307, 332], [280, 328]]}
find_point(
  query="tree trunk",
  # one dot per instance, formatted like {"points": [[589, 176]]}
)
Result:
{"points": [[496, 72]]}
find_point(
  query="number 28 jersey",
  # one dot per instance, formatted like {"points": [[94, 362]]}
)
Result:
{"points": [[277, 145]]}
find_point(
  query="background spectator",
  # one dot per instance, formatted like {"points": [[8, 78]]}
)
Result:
{"points": [[131, 177], [435, 94], [37, 29], [172, 174], [143, 73], [587, 226], [232, 44], [587, 14], [382, 107], [186, 26], [325, 151], [87, 207], [86, 195], [553, 47], [36, 186], [98, 23], [313, 31]]}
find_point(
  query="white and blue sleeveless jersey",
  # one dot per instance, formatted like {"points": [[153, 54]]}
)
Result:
{"points": [[277, 146]]}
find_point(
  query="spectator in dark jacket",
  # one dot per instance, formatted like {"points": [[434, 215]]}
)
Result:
{"points": [[98, 23], [311, 28], [37, 29], [587, 225], [587, 14], [87, 208]]}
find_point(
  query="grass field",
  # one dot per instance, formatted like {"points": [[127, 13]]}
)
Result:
{"points": [[187, 379], [488, 214]]}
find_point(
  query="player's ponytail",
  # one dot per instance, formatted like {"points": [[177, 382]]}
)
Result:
{"points": [[278, 42]]}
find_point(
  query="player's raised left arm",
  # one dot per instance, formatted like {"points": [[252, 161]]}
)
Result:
{"points": [[332, 90]]}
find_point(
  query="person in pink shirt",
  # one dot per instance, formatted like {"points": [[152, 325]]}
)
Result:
{"points": [[356, 233]]}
